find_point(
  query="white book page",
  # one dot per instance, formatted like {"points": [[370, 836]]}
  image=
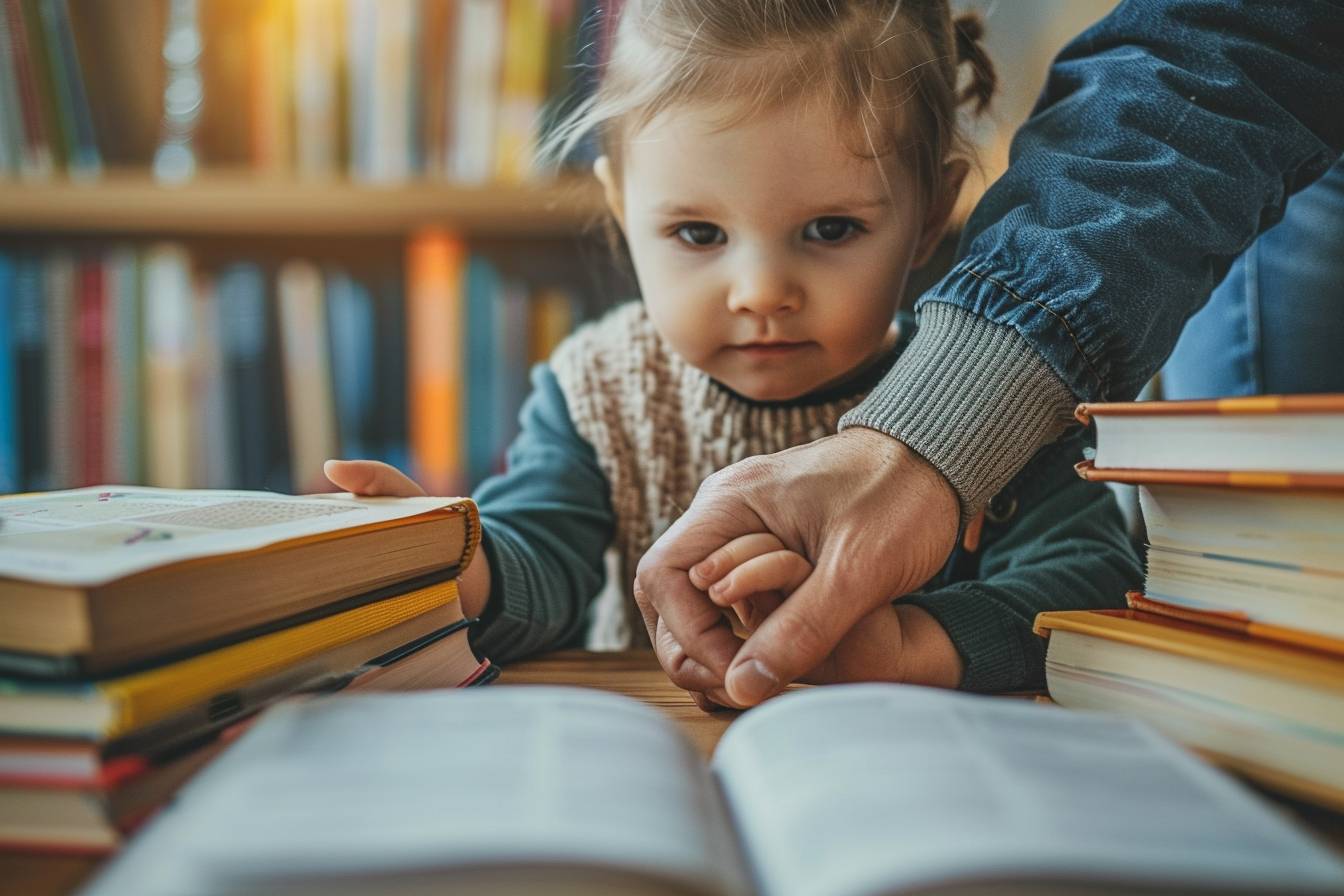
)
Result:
{"points": [[363, 785], [880, 788], [90, 536]]}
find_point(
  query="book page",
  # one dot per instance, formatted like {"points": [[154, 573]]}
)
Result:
{"points": [[94, 535], [358, 786], [867, 789]]}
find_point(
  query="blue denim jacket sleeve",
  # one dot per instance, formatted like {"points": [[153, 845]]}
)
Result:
{"points": [[1168, 136]]}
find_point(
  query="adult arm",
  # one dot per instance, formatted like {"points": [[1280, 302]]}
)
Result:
{"points": [[1168, 136]]}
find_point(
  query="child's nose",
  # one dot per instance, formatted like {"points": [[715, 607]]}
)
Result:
{"points": [[763, 288]]}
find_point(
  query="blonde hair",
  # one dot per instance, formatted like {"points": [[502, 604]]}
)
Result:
{"points": [[889, 67]]}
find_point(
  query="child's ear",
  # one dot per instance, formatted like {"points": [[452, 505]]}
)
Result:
{"points": [[935, 222], [611, 191]]}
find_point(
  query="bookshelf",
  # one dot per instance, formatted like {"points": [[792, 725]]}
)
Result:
{"points": [[220, 203]]}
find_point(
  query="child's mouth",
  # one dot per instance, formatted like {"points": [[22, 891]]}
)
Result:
{"points": [[769, 349]]}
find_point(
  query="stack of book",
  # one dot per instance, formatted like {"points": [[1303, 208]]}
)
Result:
{"points": [[1236, 645], [141, 628]]}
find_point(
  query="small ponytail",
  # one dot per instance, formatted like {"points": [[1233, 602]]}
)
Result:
{"points": [[969, 29]]}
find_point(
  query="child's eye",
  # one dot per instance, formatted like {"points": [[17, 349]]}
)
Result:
{"points": [[700, 233], [831, 230]]}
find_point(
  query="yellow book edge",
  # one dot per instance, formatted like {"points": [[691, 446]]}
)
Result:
{"points": [[1185, 639], [148, 696]]}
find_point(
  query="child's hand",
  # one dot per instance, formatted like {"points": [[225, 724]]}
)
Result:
{"points": [[375, 478], [755, 573], [372, 478]]}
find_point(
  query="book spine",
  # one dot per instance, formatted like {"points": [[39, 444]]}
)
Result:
{"points": [[479, 54], [317, 35], [351, 319], [522, 87], [434, 318], [59, 288], [122, 365], [269, 88], [92, 398], [241, 291], [212, 402], [392, 426], [72, 102], [169, 330], [30, 350], [36, 161], [303, 331], [481, 348], [9, 398], [11, 119]]}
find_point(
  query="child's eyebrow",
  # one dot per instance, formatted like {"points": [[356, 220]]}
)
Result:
{"points": [[679, 210], [857, 203]]}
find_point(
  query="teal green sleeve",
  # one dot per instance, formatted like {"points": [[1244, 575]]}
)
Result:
{"points": [[1065, 549], [547, 522]]}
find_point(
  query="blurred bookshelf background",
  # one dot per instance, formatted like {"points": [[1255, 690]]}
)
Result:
{"points": [[238, 237]]}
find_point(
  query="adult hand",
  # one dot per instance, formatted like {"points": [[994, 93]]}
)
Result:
{"points": [[875, 519]]}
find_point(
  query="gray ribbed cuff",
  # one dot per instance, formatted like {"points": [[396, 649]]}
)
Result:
{"points": [[972, 397]]}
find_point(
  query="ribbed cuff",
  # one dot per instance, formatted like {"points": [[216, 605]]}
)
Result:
{"points": [[507, 623], [972, 397], [990, 641]]}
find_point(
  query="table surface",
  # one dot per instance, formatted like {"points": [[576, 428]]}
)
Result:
{"points": [[635, 674]]}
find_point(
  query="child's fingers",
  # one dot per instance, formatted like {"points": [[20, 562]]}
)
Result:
{"points": [[371, 477], [732, 555], [752, 610], [776, 571]]}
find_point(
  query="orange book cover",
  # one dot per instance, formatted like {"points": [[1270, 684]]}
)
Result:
{"points": [[1236, 622], [1253, 404], [436, 263], [1302, 665], [1314, 482]]}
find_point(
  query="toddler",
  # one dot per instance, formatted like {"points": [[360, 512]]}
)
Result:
{"points": [[776, 170]]}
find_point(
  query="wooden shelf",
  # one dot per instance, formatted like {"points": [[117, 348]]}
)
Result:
{"points": [[252, 204]]}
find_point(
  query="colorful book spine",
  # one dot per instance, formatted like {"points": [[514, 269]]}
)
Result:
{"points": [[318, 28], [169, 335], [244, 336], [59, 286], [121, 332], [71, 101], [481, 348], [36, 159], [89, 422], [11, 118], [216, 461], [479, 55], [436, 262], [350, 319], [308, 394], [522, 87], [9, 397], [30, 356]]}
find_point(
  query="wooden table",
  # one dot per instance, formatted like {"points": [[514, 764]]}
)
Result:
{"points": [[635, 674]]}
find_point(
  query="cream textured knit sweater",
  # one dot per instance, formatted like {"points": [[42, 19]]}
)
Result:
{"points": [[660, 427]]}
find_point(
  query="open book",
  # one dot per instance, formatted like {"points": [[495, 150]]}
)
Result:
{"points": [[861, 789]]}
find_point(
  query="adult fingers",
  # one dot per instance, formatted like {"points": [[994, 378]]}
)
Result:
{"points": [[781, 571], [796, 637], [692, 621], [732, 555], [681, 669], [371, 477]]}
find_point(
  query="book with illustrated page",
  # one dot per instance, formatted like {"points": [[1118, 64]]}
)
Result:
{"points": [[847, 790]]}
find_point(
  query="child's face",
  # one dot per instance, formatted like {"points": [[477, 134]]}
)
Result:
{"points": [[768, 254]]}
